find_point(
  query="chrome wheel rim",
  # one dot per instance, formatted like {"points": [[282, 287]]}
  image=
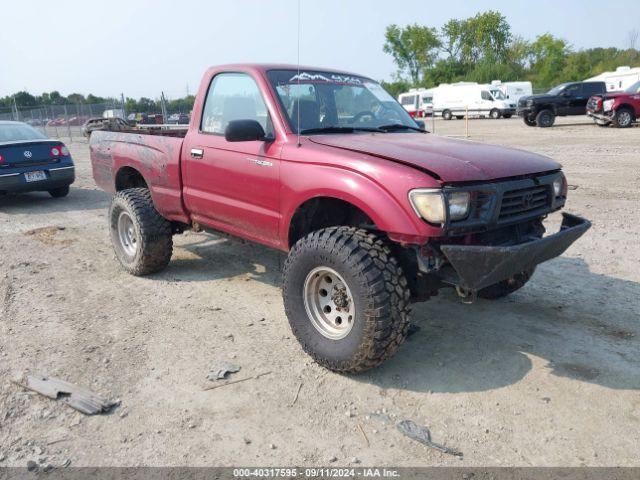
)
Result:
{"points": [[624, 118], [329, 303], [127, 234]]}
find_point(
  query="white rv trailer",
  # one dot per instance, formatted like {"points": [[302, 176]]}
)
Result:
{"points": [[417, 101], [619, 80], [512, 91], [473, 99]]}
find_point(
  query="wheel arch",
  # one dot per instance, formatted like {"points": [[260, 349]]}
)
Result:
{"points": [[389, 218], [628, 106], [129, 177]]}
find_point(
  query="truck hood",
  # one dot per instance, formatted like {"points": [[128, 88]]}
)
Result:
{"points": [[446, 159], [539, 97]]}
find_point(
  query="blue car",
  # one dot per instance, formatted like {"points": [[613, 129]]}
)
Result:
{"points": [[31, 162]]}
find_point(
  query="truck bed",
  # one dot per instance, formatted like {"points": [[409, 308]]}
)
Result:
{"points": [[117, 157]]}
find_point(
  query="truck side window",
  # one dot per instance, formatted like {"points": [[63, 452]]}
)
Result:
{"points": [[233, 96], [573, 90], [592, 89]]}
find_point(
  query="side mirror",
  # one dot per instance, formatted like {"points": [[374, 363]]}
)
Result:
{"points": [[244, 131], [420, 124], [565, 94]]}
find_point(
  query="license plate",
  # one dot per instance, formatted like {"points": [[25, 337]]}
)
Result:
{"points": [[35, 176]]}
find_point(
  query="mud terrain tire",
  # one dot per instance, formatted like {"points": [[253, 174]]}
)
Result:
{"points": [[377, 289], [141, 237]]}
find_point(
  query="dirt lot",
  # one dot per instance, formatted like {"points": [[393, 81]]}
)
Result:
{"points": [[549, 376]]}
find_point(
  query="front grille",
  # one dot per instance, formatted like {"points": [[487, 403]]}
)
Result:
{"points": [[524, 201]]}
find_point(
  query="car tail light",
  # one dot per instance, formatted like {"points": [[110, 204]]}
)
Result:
{"points": [[1, 159], [55, 152], [64, 151]]}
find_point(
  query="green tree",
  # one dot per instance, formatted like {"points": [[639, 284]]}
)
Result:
{"points": [[548, 59], [414, 49], [486, 36]]}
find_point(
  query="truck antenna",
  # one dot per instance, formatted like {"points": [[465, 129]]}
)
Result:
{"points": [[298, 75]]}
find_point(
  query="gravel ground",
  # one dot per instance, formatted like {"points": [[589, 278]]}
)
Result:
{"points": [[548, 377]]}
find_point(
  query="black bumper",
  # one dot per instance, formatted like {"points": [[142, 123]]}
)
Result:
{"points": [[478, 266], [56, 177], [524, 112]]}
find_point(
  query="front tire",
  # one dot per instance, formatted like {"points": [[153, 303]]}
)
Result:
{"points": [[59, 192], [495, 114], [623, 118], [506, 287], [141, 237], [545, 119], [346, 298], [528, 122]]}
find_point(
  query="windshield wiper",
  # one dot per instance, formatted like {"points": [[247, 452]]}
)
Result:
{"points": [[399, 126], [339, 129]]}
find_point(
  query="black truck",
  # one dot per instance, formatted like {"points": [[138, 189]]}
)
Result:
{"points": [[565, 99]]}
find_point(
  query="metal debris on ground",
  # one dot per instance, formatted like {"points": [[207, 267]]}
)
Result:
{"points": [[423, 435], [76, 397], [221, 371], [212, 387]]}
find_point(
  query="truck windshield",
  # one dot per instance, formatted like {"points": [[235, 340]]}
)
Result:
{"points": [[557, 89], [635, 88], [317, 102]]}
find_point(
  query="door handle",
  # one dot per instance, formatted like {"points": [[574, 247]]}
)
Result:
{"points": [[197, 153]]}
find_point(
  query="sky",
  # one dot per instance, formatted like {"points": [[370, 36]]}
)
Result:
{"points": [[143, 47]]}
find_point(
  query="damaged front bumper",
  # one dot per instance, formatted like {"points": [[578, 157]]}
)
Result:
{"points": [[474, 267]]}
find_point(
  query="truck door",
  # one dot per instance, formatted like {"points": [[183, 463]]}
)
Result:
{"points": [[574, 101], [233, 186]]}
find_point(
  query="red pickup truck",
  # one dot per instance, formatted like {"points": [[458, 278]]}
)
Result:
{"points": [[620, 109], [373, 211]]}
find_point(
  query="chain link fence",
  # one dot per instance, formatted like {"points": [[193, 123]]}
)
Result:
{"points": [[61, 121], [66, 121]]}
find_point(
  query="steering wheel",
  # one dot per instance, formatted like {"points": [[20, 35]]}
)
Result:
{"points": [[359, 116]]}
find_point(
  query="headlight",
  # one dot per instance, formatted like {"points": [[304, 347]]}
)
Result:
{"points": [[558, 186], [430, 204], [607, 105], [529, 103]]}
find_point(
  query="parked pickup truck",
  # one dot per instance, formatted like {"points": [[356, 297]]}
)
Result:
{"points": [[373, 211], [565, 99], [620, 109]]}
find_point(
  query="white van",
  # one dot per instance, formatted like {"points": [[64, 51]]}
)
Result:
{"points": [[417, 101], [458, 99], [511, 91]]}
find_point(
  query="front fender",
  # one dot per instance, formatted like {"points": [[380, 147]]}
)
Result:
{"points": [[387, 205]]}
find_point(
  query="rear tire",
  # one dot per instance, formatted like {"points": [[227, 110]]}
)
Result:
{"points": [[545, 119], [495, 114], [506, 287], [446, 115], [59, 192], [141, 237], [367, 286], [623, 118]]}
